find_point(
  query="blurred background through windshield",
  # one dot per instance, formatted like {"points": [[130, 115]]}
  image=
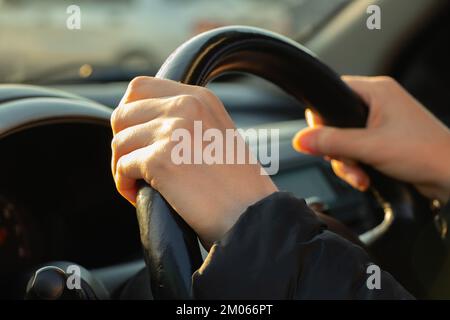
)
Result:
{"points": [[119, 39]]}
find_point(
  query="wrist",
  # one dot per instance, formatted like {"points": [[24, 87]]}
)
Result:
{"points": [[225, 220], [441, 190]]}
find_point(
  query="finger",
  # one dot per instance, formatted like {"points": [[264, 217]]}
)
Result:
{"points": [[352, 174], [363, 86], [180, 106], [135, 166], [334, 142], [141, 111], [133, 138], [125, 184], [150, 87], [314, 120]]}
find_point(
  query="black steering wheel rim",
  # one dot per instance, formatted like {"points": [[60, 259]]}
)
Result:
{"points": [[170, 245], [267, 55]]}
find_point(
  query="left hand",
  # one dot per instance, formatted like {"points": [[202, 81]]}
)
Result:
{"points": [[209, 197], [402, 139]]}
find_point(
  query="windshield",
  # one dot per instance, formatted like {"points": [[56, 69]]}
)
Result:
{"points": [[111, 40]]}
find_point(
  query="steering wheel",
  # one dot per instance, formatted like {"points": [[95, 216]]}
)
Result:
{"points": [[170, 246]]}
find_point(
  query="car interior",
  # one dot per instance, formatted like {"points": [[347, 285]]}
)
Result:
{"points": [[58, 201]]}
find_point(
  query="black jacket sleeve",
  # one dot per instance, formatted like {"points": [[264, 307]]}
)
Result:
{"points": [[279, 249]]}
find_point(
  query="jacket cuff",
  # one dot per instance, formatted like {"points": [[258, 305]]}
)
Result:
{"points": [[252, 259]]}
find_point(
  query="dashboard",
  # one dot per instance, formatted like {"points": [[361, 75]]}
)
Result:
{"points": [[58, 202]]}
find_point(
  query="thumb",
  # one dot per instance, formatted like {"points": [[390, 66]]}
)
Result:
{"points": [[333, 142]]}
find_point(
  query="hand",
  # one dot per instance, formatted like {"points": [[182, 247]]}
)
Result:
{"points": [[210, 198], [402, 140]]}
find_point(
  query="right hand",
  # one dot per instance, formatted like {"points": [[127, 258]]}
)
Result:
{"points": [[402, 139], [210, 197]]}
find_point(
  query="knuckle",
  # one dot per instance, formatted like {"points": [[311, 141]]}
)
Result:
{"points": [[139, 81], [120, 167], [154, 181], [120, 118], [114, 143], [387, 82], [134, 87], [206, 94], [197, 109], [115, 119], [153, 164], [188, 100], [191, 105], [210, 98], [183, 123], [177, 105], [117, 142], [150, 165]]}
